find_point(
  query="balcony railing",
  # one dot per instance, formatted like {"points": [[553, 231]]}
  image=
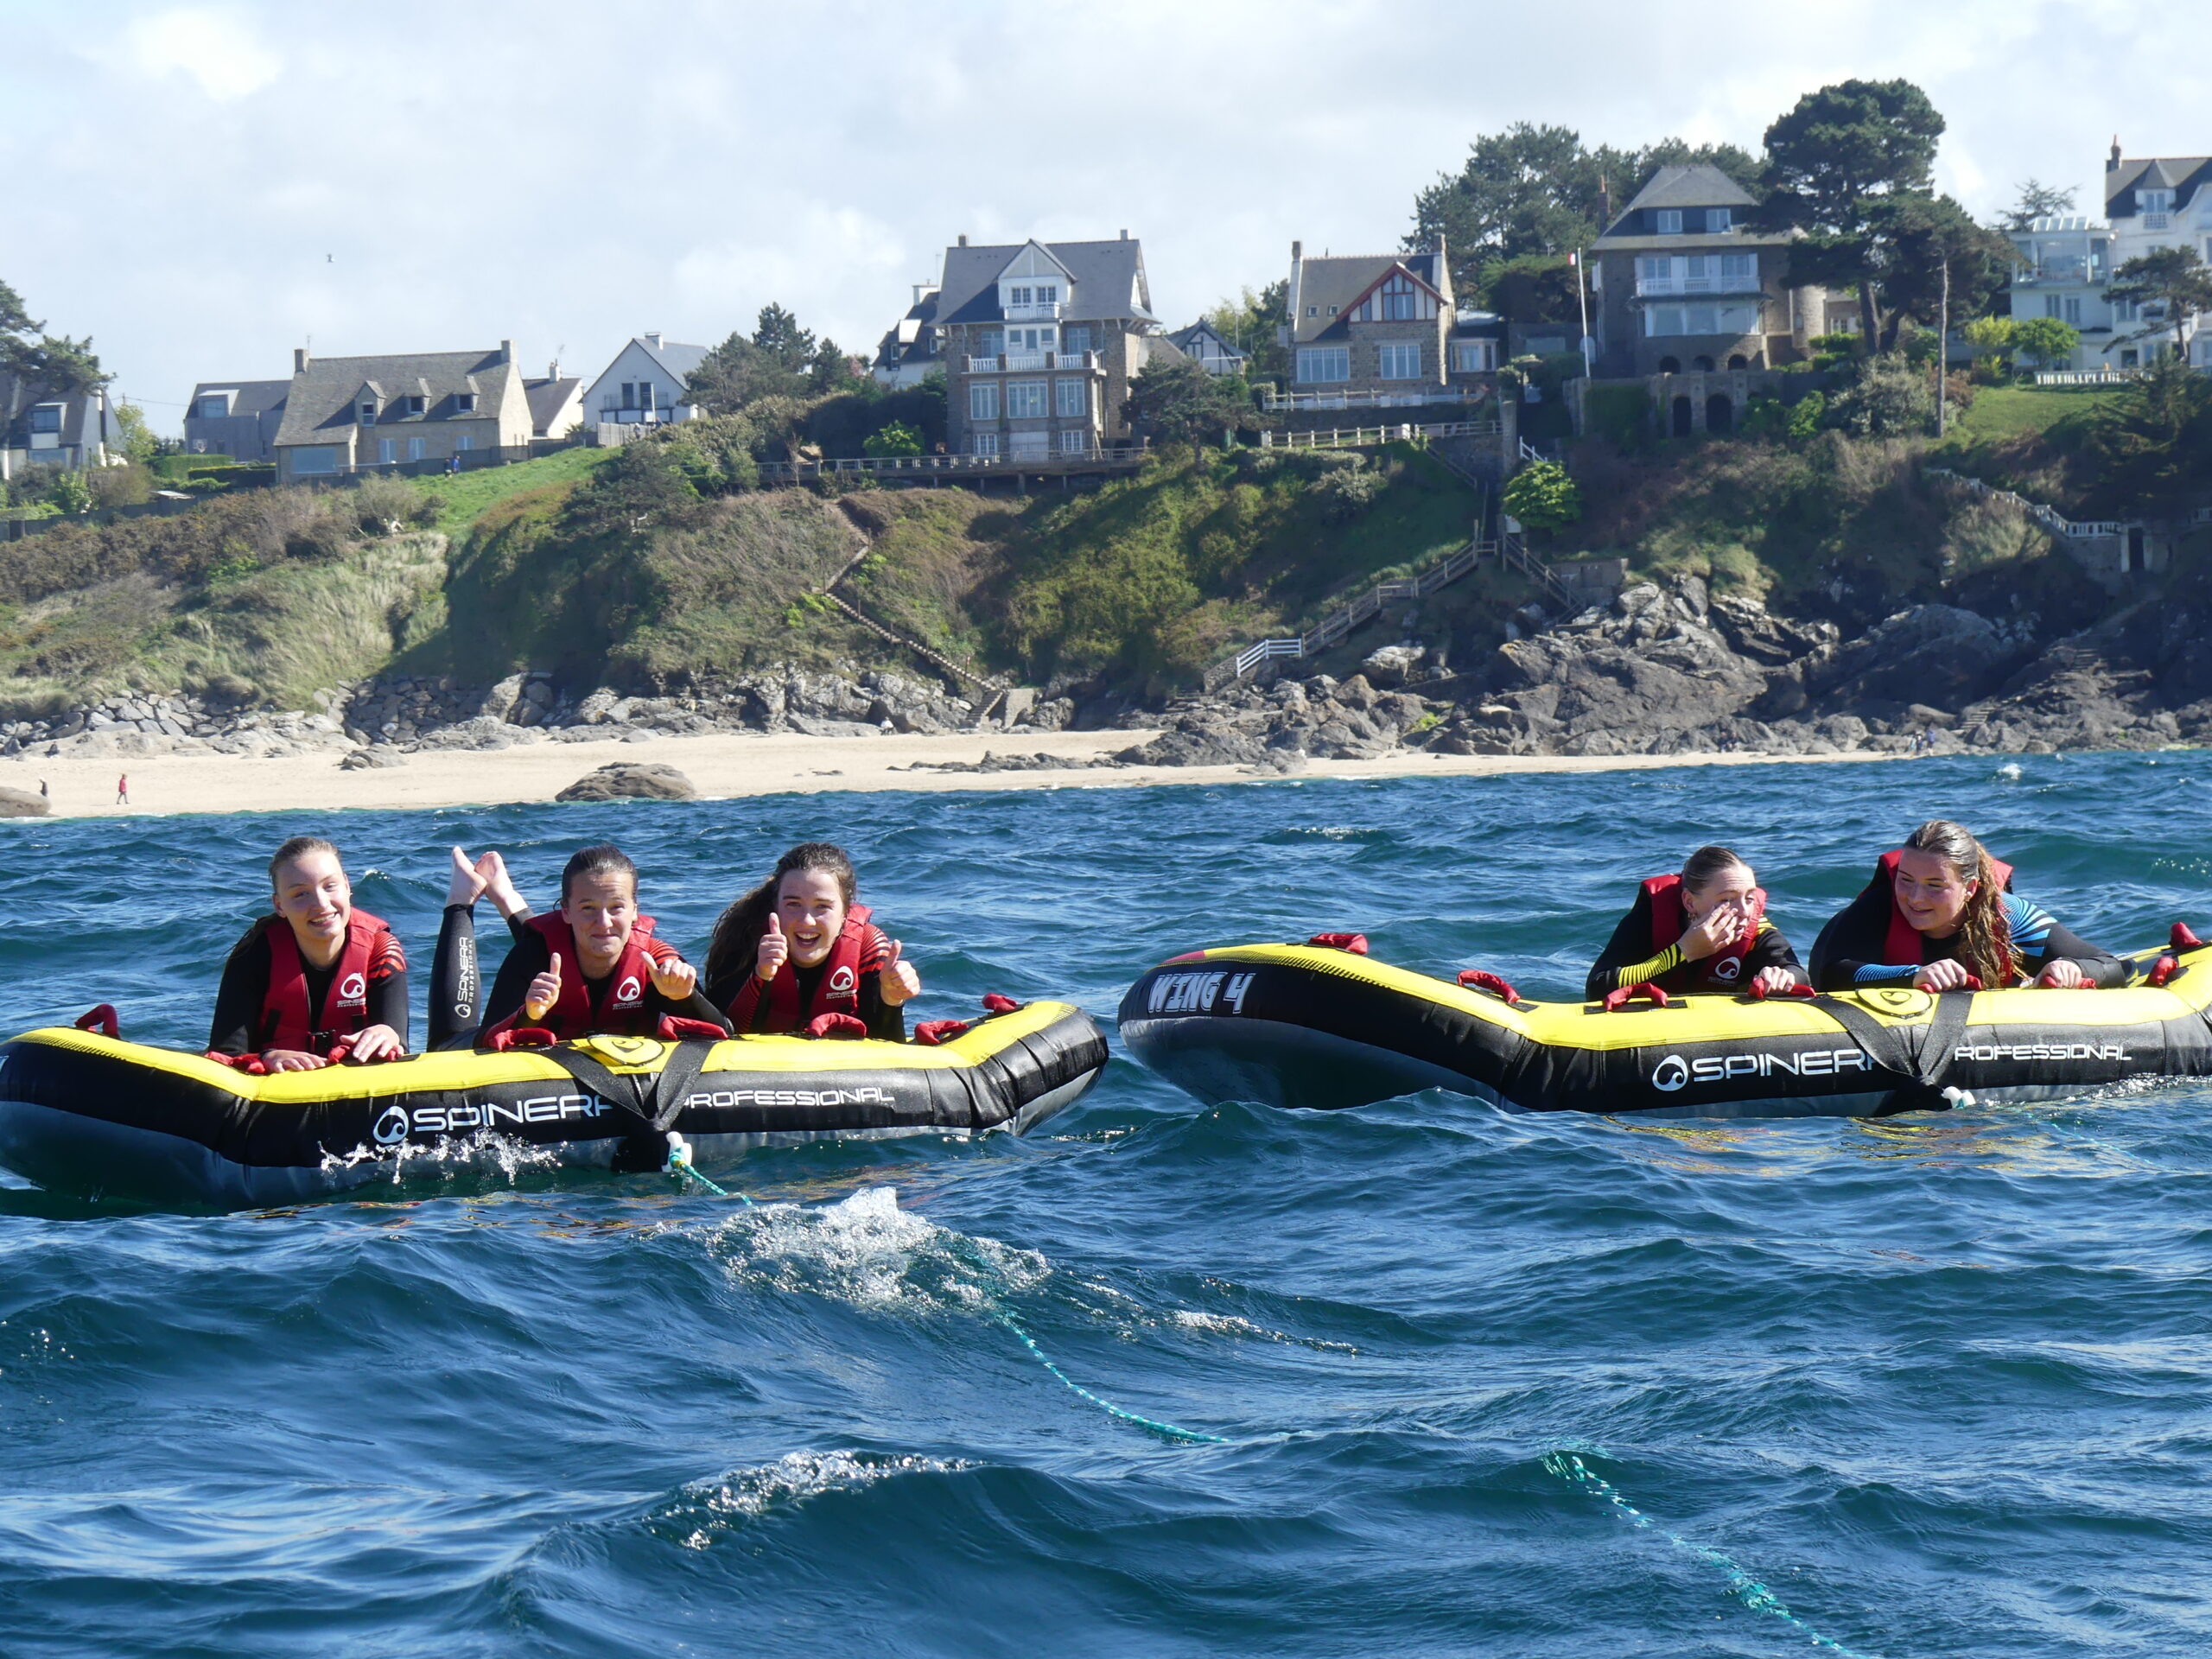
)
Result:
{"points": [[1409, 397], [1030, 362], [1664, 287], [1044, 311], [2058, 273]]}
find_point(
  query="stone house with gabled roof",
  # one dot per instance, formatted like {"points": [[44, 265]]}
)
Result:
{"points": [[1040, 342], [356, 414], [1382, 329], [1680, 285]]}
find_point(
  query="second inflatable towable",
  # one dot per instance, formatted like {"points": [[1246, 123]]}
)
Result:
{"points": [[1306, 1025], [88, 1114]]}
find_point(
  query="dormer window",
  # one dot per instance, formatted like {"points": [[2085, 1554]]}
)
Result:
{"points": [[1670, 221], [366, 412], [46, 417], [1017, 296], [2155, 201], [1718, 218], [464, 402], [416, 403], [1332, 310], [1048, 294], [213, 406]]}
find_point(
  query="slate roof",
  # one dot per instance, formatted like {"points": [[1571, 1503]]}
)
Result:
{"points": [[546, 398], [1698, 184], [322, 393], [84, 414], [249, 398], [1108, 276], [912, 338], [1186, 342], [2182, 175], [678, 359], [1337, 280]]}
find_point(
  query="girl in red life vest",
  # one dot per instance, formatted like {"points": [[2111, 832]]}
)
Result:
{"points": [[315, 972], [797, 948], [594, 965], [1704, 930]]}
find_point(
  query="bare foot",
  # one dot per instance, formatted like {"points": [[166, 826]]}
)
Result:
{"points": [[467, 882], [492, 873]]}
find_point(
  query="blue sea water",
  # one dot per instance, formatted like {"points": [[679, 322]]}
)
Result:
{"points": [[1482, 1383]]}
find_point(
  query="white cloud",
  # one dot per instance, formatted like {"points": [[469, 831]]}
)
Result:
{"points": [[214, 48]]}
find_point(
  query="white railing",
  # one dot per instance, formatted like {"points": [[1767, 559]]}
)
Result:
{"points": [[1411, 397], [790, 472], [2057, 273], [2050, 517], [1368, 437], [1042, 311], [1030, 362], [1659, 287], [2079, 377], [2201, 516]]}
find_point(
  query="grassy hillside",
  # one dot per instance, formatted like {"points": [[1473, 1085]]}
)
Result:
{"points": [[463, 497]]}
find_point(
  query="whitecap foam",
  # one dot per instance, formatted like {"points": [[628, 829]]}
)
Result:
{"points": [[711, 1508]]}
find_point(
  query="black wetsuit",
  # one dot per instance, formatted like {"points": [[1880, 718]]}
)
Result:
{"points": [[456, 981], [530, 957], [1629, 959], [241, 998], [1853, 948], [882, 1020]]}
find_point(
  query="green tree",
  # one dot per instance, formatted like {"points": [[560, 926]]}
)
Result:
{"points": [[139, 442], [1181, 403], [2171, 285], [777, 333], [1888, 397], [2038, 200], [1543, 496], [1920, 237], [34, 364], [1837, 166], [1253, 323], [1534, 288], [893, 438], [70, 492], [1995, 340], [2045, 340], [779, 359], [2151, 446]]}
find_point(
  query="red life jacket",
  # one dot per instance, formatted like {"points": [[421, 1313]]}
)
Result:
{"points": [[286, 1022], [623, 1013], [1905, 943], [1669, 924], [838, 990]]}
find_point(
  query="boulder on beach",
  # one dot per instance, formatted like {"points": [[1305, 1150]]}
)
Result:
{"points": [[23, 804], [366, 759], [643, 780]]}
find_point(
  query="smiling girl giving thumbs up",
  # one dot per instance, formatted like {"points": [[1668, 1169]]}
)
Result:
{"points": [[797, 950], [595, 965]]}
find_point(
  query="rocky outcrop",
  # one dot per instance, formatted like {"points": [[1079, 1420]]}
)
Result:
{"points": [[631, 781], [23, 804]]}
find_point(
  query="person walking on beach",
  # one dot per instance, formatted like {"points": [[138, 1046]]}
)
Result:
{"points": [[43, 795], [122, 790]]}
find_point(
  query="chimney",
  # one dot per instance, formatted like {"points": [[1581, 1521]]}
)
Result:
{"points": [[1125, 235], [2113, 166], [506, 351], [964, 239], [299, 359], [553, 370], [651, 337], [1297, 252]]}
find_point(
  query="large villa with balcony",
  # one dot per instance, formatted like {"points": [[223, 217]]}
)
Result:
{"points": [[1040, 343], [1679, 285], [1382, 330], [2064, 265]]}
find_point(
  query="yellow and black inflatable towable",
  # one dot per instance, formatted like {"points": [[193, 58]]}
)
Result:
{"points": [[1291, 1025], [84, 1113]]}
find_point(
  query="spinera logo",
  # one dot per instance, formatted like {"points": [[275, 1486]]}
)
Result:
{"points": [[1670, 1074], [629, 990], [391, 1127], [842, 980], [352, 989], [1728, 968]]}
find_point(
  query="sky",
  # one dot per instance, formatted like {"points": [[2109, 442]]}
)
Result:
{"points": [[201, 187]]}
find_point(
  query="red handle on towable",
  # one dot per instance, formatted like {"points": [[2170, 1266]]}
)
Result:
{"points": [[1616, 1000], [2183, 939], [1354, 943], [101, 1018], [931, 1032], [1759, 993], [843, 1027], [1477, 979]]}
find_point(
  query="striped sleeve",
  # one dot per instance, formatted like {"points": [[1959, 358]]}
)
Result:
{"points": [[875, 950], [2031, 923], [389, 958]]}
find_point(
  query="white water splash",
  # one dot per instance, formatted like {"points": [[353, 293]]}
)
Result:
{"points": [[481, 1153], [1232, 1325], [2010, 771], [711, 1508]]}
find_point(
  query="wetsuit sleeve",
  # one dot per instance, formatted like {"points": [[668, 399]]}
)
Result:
{"points": [[527, 958], [694, 1007], [884, 1022], [1627, 958], [388, 999], [2038, 940], [456, 984], [1848, 955], [239, 997], [1770, 949]]}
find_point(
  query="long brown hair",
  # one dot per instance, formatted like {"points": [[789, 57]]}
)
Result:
{"points": [[738, 930], [1985, 934]]}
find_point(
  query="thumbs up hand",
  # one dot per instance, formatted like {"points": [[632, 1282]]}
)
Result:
{"points": [[544, 991], [775, 950], [675, 978], [897, 979]]}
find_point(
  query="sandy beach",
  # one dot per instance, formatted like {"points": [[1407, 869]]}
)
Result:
{"points": [[722, 766]]}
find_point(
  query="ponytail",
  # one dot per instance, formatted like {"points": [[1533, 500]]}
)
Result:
{"points": [[1985, 932], [738, 929]]}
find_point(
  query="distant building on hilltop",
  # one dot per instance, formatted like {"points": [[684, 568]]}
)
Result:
{"points": [[72, 431], [645, 385], [1040, 343], [1679, 285], [556, 403], [2063, 266], [909, 351], [238, 418], [2164, 202], [355, 414], [1204, 345], [1382, 330]]}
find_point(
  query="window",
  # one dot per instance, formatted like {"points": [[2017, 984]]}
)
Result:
{"points": [[1075, 443], [645, 390], [387, 450], [1655, 269], [1473, 356], [629, 394], [1025, 400], [1670, 221], [2073, 309], [1075, 340], [1048, 294], [1701, 320], [1071, 399], [1017, 296], [1399, 300], [1324, 364], [414, 448], [1332, 310], [463, 440], [2154, 202], [983, 403], [2049, 307], [1717, 219], [1398, 360], [1030, 446], [47, 418], [215, 406], [1312, 311], [984, 444], [313, 458], [464, 402], [990, 342], [1739, 267], [366, 413], [415, 403]]}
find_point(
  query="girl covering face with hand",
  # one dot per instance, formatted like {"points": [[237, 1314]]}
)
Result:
{"points": [[797, 949], [1702, 930]]}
